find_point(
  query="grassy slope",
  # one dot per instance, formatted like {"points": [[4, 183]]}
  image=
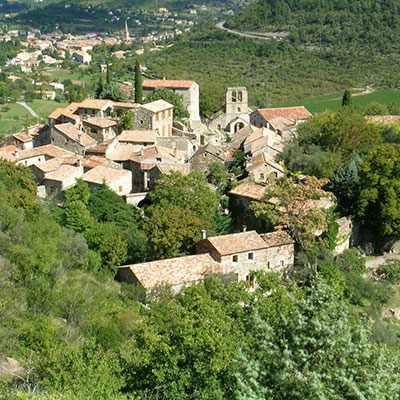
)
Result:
{"points": [[11, 118], [334, 101]]}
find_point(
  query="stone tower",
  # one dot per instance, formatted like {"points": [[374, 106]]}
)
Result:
{"points": [[236, 101]]}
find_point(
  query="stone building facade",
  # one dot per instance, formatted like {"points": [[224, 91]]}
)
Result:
{"points": [[157, 116], [189, 90]]}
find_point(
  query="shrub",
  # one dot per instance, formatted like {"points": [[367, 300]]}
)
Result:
{"points": [[390, 271]]}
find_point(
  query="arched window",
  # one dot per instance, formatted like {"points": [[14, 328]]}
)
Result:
{"points": [[233, 97], [240, 95]]}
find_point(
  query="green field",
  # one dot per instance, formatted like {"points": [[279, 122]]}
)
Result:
{"points": [[334, 101], [12, 117], [63, 74], [45, 107]]}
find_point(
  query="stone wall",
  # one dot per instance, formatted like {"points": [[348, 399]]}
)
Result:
{"points": [[59, 140], [141, 119], [201, 161]]}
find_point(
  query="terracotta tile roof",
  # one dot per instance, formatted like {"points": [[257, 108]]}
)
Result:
{"points": [[210, 148], [243, 133], [65, 172], [385, 119], [288, 112], [94, 161], [101, 174], [254, 136], [54, 163], [23, 137], [100, 122], [49, 150], [6, 155], [95, 104], [145, 136], [262, 159], [175, 271], [10, 148], [163, 83], [123, 152], [120, 104], [278, 238], [152, 151], [73, 133], [56, 113], [250, 190], [237, 243], [259, 144], [166, 169], [157, 106], [281, 123]]}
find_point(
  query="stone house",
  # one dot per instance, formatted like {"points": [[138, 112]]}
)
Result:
{"points": [[122, 107], [157, 115], [236, 255], [263, 166], [145, 159], [95, 108], [40, 154], [266, 117], [263, 140], [63, 178], [189, 90], [63, 115], [203, 157], [138, 137], [244, 252], [117, 179], [100, 129], [43, 169], [70, 138]]}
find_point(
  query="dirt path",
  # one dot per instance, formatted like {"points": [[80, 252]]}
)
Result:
{"points": [[31, 111], [255, 35]]}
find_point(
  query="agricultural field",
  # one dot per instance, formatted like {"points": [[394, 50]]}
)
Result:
{"points": [[44, 107], [334, 101], [12, 117], [64, 74]]}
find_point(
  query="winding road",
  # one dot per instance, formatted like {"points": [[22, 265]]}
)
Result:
{"points": [[31, 111], [255, 35]]}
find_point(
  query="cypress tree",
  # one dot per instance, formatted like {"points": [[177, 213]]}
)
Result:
{"points": [[347, 100], [108, 76], [138, 84]]}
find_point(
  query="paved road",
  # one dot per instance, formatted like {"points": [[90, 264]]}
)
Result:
{"points": [[254, 35], [32, 112]]}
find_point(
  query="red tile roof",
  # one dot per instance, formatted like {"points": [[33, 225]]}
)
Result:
{"points": [[237, 243], [163, 83], [75, 134], [250, 190], [175, 271], [288, 112], [278, 238]]}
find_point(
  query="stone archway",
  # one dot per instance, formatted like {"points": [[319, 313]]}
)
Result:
{"points": [[238, 126]]}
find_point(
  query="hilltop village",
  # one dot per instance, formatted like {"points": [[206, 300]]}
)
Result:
{"points": [[87, 141]]}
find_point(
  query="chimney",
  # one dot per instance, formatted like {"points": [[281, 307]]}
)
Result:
{"points": [[244, 228], [80, 138], [141, 152], [175, 150], [79, 162], [204, 234]]}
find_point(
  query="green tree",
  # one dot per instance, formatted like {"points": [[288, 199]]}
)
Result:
{"points": [[347, 100], [379, 200], [190, 192], [126, 121], [318, 349], [138, 84], [294, 207]]}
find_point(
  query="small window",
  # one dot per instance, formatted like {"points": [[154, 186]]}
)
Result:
{"points": [[235, 258], [205, 155], [262, 176], [120, 188], [250, 281], [141, 122], [239, 109], [158, 159], [269, 264], [157, 117], [281, 263], [250, 256]]}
